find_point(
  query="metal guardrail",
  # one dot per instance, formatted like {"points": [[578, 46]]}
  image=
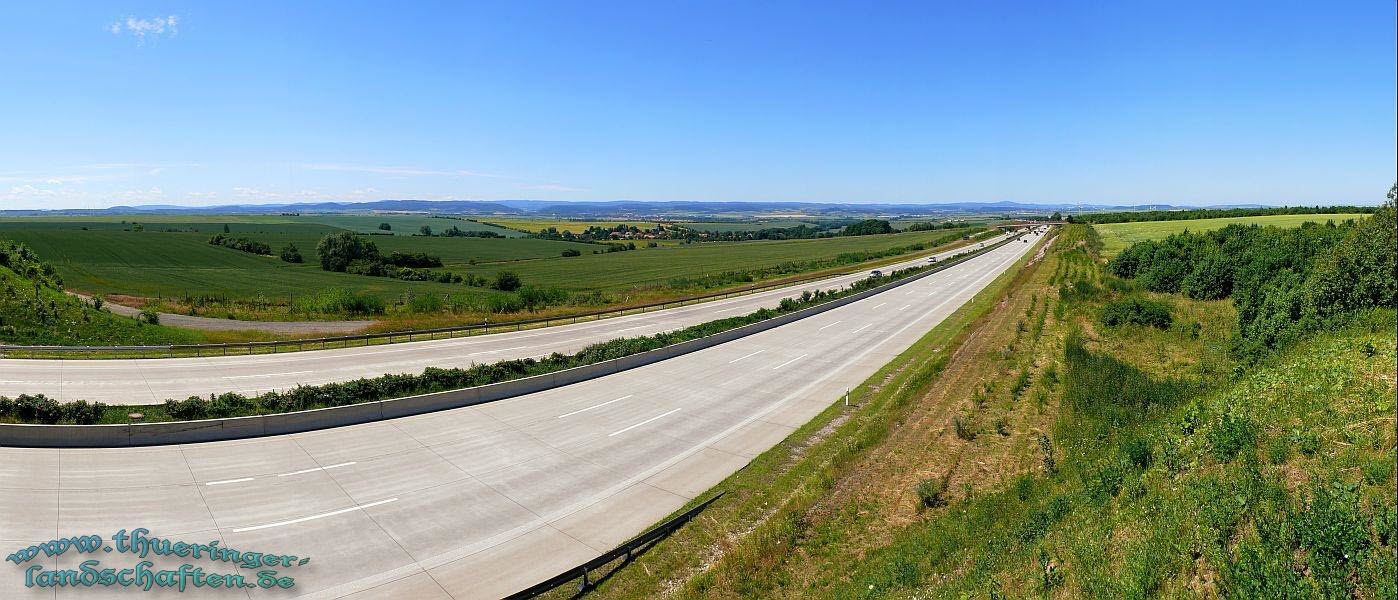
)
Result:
{"points": [[629, 551], [346, 341]]}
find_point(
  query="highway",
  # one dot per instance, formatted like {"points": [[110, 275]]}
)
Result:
{"points": [[479, 501], [149, 381]]}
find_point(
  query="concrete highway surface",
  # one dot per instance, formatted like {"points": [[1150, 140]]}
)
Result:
{"points": [[150, 381], [479, 501]]}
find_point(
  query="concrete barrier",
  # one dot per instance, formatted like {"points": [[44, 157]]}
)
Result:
{"points": [[210, 430]]}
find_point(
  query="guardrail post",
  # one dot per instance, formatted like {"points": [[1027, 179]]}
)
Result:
{"points": [[584, 584]]}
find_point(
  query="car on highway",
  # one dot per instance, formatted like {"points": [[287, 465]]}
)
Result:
{"points": [[931, 259], [876, 273]]}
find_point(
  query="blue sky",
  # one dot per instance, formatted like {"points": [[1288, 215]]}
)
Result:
{"points": [[110, 103]]}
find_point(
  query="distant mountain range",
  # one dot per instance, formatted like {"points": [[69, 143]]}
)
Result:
{"points": [[619, 209]]}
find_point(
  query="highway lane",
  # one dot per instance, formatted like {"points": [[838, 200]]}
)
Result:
{"points": [[478, 501], [145, 381]]}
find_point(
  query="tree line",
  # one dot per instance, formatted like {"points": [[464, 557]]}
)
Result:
{"points": [[1284, 282], [1212, 213]]}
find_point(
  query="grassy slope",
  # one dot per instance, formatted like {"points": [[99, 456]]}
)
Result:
{"points": [[1117, 236], [534, 225], [58, 319], [832, 511]]}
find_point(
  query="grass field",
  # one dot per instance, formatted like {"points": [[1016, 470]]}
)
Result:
{"points": [[1117, 236], [745, 226], [534, 225], [657, 266], [182, 273], [403, 225]]}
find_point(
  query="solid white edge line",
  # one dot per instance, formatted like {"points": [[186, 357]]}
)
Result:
{"points": [[313, 517], [747, 356], [595, 406], [790, 361], [229, 481], [642, 423], [266, 374]]}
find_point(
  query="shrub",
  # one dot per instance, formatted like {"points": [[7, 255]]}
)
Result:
{"points": [[964, 430], [1138, 450], [535, 297], [931, 492], [290, 253], [37, 408], [338, 250], [572, 252], [506, 281], [1137, 311], [241, 244], [80, 412], [7, 407], [385, 227], [1230, 435], [148, 316], [416, 260], [425, 303]]}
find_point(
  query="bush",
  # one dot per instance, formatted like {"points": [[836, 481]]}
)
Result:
{"points": [[241, 244], [416, 260], [290, 253], [572, 252], [931, 492], [385, 227], [148, 316], [37, 409], [338, 250], [1230, 435], [425, 303], [1137, 311], [1138, 451], [340, 301], [80, 412], [506, 281]]}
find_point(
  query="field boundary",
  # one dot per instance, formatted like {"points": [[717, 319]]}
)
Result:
{"points": [[232, 428], [347, 341]]}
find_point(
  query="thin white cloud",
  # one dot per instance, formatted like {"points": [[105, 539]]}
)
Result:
{"points": [[397, 171], [141, 29], [551, 187]]}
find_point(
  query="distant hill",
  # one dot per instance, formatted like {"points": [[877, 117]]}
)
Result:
{"points": [[622, 209]]}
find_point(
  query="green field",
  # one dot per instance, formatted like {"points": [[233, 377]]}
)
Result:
{"points": [[657, 266], [186, 274], [746, 226], [534, 225], [403, 225], [1117, 236]]}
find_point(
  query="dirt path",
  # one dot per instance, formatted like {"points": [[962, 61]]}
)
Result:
{"points": [[212, 324]]}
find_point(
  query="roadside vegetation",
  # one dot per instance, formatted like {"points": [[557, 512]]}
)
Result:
{"points": [[1085, 436]]}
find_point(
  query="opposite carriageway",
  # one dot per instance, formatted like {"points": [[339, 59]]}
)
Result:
{"points": [[485, 500], [147, 381]]}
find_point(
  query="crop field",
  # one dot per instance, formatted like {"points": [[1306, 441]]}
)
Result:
{"points": [[1117, 236], [657, 266], [746, 226], [158, 263], [403, 225], [534, 225]]}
